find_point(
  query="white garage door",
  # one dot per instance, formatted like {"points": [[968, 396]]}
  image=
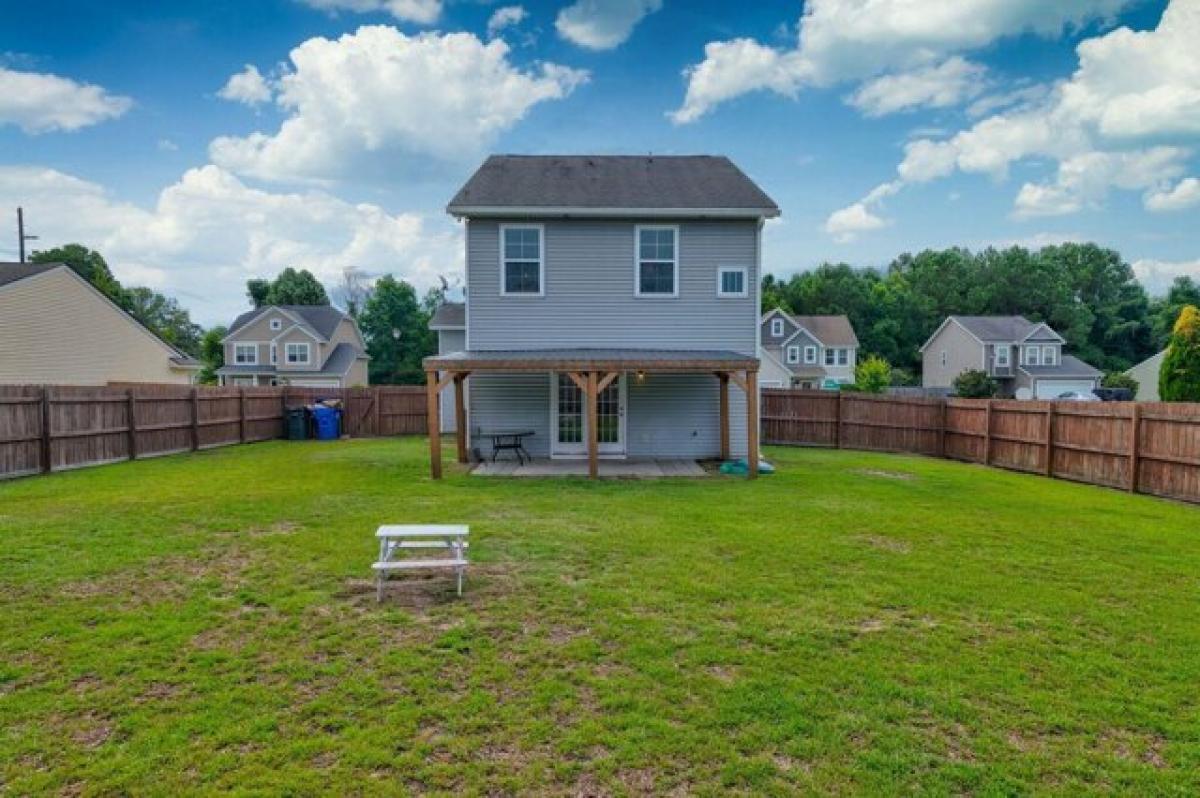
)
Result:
{"points": [[314, 383], [1048, 389]]}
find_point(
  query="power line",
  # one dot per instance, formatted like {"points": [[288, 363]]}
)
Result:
{"points": [[21, 236]]}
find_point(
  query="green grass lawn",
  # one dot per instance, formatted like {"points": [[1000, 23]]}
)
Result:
{"points": [[855, 623]]}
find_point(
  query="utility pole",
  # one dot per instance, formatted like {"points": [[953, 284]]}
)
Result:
{"points": [[21, 237]]}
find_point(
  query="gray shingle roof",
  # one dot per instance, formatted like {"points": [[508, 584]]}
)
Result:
{"points": [[829, 330], [686, 182], [335, 365], [1068, 366], [997, 328], [450, 315], [11, 272], [321, 319], [666, 357]]}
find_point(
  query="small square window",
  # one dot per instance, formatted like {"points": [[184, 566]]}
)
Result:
{"points": [[276, 324], [731, 281]]}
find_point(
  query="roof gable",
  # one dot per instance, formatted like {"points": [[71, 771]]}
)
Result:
{"points": [[319, 319], [608, 184], [449, 316], [12, 272]]}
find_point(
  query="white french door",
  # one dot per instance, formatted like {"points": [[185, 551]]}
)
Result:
{"points": [[568, 418]]}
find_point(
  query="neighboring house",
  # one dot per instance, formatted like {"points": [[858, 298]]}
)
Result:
{"points": [[304, 345], [449, 321], [806, 351], [57, 328], [1026, 358], [1146, 374], [640, 271]]}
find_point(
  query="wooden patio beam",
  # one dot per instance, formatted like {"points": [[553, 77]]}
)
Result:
{"points": [[579, 380], [592, 432], [460, 416], [723, 379], [434, 428], [751, 389], [738, 380], [604, 383]]}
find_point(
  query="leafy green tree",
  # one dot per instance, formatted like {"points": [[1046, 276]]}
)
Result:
{"points": [[212, 354], [1179, 376], [873, 375], [290, 287], [397, 332], [1183, 292], [88, 264], [975, 384]]}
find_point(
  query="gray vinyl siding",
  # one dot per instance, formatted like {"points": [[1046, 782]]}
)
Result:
{"points": [[588, 297], [450, 341], [519, 401]]}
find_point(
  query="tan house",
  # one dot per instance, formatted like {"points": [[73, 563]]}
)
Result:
{"points": [[1025, 358], [57, 328], [806, 351], [314, 346], [1146, 374]]}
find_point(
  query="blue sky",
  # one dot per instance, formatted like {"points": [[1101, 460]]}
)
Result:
{"points": [[919, 124]]}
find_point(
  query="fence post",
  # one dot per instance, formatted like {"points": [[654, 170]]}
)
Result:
{"points": [[195, 419], [942, 427], [46, 435], [376, 415], [837, 422], [1134, 445], [131, 411], [1050, 439], [987, 433], [242, 414]]}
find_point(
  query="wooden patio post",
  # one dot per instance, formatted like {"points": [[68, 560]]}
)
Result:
{"points": [[460, 417], [752, 423], [593, 416], [723, 378], [431, 412]]}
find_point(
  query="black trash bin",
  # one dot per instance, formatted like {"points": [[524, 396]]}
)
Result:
{"points": [[297, 424]]}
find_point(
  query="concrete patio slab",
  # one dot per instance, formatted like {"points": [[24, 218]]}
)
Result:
{"points": [[616, 469]]}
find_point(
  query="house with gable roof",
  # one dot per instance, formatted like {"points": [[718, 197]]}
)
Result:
{"points": [[315, 346]]}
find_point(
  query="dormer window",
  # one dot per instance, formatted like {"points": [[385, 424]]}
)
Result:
{"points": [[276, 324], [657, 262], [522, 262], [793, 355], [776, 327]]}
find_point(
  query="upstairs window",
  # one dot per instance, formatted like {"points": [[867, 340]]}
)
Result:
{"points": [[276, 324], [776, 327], [657, 262], [296, 354], [793, 355], [1033, 356], [1049, 356], [837, 357], [274, 354], [731, 281], [522, 260], [1003, 356], [810, 354], [245, 354]]}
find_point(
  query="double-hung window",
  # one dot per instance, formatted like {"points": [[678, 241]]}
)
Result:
{"points": [[296, 354], [776, 327], [837, 357], [245, 354], [1033, 356], [793, 355], [731, 281], [657, 261], [1003, 356], [810, 354], [522, 260], [1049, 356]]}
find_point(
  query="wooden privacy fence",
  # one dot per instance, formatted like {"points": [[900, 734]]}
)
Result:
{"points": [[1149, 448], [53, 428]]}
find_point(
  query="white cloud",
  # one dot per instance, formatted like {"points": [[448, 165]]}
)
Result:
{"points": [[505, 17], [1157, 275], [851, 40], [377, 93], [38, 102], [946, 84], [846, 224], [166, 145], [248, 87], [421, 12], [1105, 127], [1183, 194], [602, 24], [209, 232]]}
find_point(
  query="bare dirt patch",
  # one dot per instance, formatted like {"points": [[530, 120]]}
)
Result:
{"points": [[881, 474], [885, 543]]}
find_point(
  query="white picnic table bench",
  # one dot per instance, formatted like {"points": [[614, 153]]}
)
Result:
{"points": [[394, 538]]}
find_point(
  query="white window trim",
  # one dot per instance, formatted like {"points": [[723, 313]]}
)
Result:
{"points": [[541, 228], [810, 354], [776, 327], [1007, 360], [276, 324], [1033, 349], [724, 270], [274, 353], [794, 349], [307, 353], [637, 261], [943, 358], [253, 345], [1052, 360]]}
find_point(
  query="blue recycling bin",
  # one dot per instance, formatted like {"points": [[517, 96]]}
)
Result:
{"points": [[328, 422]]}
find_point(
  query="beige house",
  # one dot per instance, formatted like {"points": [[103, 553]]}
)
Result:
{"points": [[1146, 374], [314, 346], [1025, 358], [56, 328], [806, 351]]}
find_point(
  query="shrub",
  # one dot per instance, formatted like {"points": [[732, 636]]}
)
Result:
{"points": [[1119, 379], [903, 376], [873, 375], [1179, 376], [975, 384]]}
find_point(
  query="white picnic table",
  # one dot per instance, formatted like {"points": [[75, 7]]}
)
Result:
{"points": [[394, 538]]}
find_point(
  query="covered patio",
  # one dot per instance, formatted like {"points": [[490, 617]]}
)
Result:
{"points": [[634, 468], [592, 370]]}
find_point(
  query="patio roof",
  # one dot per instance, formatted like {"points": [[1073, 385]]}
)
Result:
{"points": [[592, 360]]}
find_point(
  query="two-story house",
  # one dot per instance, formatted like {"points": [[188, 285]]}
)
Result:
{"points": [[1026, 358], [611, 307], [449, 321], [806, 351], [305, 345]]}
